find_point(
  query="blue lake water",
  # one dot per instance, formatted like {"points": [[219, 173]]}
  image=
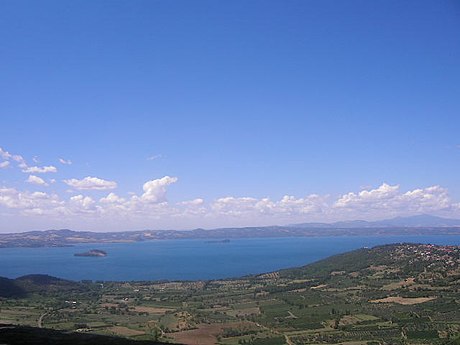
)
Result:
{"points": [[188, 259]]}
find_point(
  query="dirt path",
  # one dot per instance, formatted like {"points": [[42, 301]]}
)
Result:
{"points": [[291, 316], [40, 320]]}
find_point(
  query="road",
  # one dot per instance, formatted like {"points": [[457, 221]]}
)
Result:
{"points": [[40, 320]]}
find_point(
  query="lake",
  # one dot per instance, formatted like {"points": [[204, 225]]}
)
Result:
{"points": [[188, 259]]}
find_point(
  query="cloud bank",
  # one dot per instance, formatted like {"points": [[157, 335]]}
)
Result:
{"points": [[151, 208], [94, 203]]}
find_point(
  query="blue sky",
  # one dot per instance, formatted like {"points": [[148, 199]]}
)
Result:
{"points": [[241, 103]]}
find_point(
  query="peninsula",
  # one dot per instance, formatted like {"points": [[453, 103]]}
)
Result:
{"points": [[93, 252]]}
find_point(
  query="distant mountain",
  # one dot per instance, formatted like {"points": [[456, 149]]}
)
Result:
{"points": [[422, 220], [418, 221], [415, 225]]}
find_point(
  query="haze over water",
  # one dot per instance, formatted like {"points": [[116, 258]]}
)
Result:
{"points": [[189, 259]]}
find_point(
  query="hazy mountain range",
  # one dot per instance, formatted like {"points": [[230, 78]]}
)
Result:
{"points": [[422, 220], [415, 225]]}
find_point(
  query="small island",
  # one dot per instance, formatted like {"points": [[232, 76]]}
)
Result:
{"points": [[92, 252], [219, 241]]}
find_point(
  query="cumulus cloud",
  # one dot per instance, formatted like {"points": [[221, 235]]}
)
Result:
{"points": [[151, 204], [379, 195], [4, 164], [232, 206], [31, 203], [389, 200], [155, 190], [36, 180], [40, 170], [91, 183], [191, 208], [83, 203], [112, 198], [65, 161], [372, 203], [287, 206]]}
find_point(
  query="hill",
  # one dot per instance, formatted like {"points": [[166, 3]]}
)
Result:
{"points": [[35, 283], [21, 335], [406, 258], [9, 288]]}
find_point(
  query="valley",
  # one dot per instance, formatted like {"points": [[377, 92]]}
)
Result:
{"points": [[390, 294]]}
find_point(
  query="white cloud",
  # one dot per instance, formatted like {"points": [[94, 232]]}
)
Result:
{"points": [[232, 206], [152, 158], [194, 202], [4, 164], [40, 170], [11, 157], [112, 198], [155, 190], [389, 200], [91, 183], [65, 161], [427, 199], [30, 203], [368, 197], [311, 204], [82, 202], [5, 154], [36, 180], [22, 164], [151, 206], [191, 208], [287, 206]]}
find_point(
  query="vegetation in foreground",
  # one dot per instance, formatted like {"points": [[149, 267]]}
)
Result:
{"points": [[392, 294]]}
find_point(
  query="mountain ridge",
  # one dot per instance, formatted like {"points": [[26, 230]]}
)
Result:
{"points": [[415, 225], [420, 220]]}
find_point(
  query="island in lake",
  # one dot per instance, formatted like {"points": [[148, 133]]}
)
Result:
{"points": [[92, 252], [219, 241]]}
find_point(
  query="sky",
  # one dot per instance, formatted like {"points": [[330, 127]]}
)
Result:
{"points": [[127, 115]]}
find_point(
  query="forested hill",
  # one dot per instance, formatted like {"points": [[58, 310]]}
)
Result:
{"points": [[404, 258]]}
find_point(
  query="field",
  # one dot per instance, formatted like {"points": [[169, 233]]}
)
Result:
{"points": [[396, 294]]}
